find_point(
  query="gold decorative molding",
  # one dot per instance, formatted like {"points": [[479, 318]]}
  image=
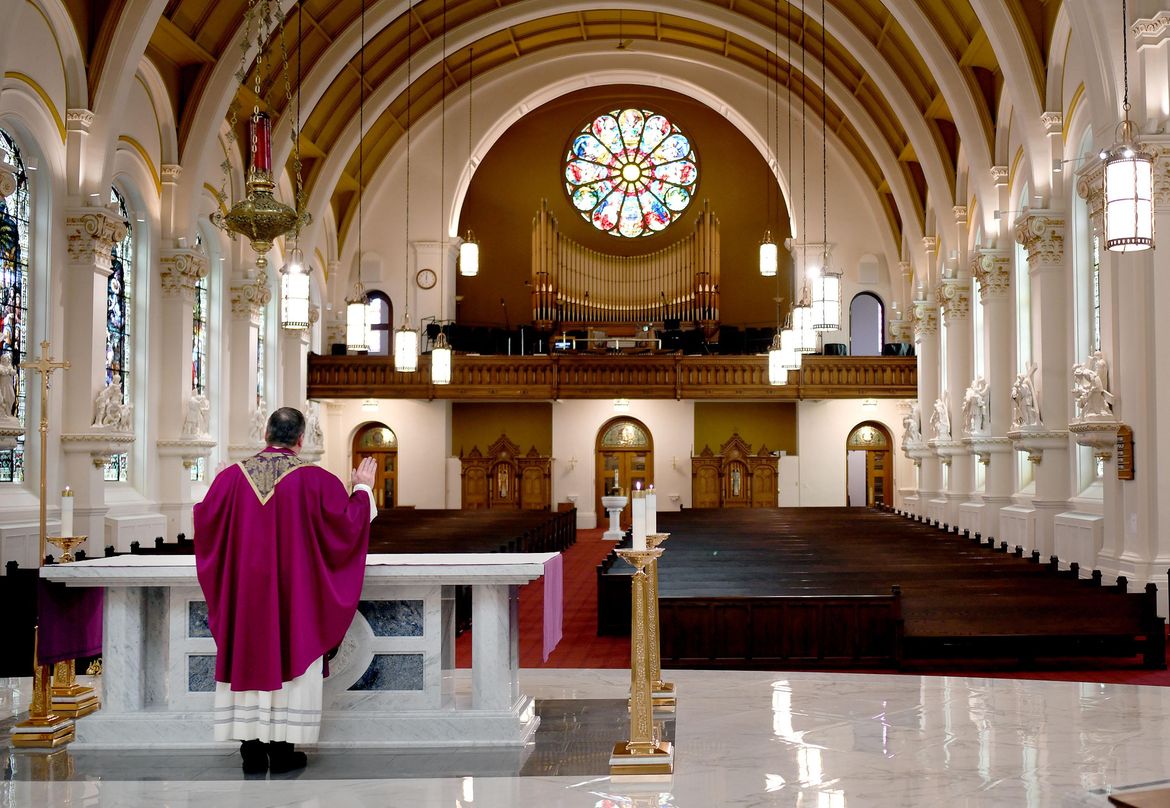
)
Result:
{"points": [[925, 319], [954, 298], [1042, 234], [249, 297]]}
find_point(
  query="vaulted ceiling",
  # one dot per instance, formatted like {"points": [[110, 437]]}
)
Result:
{"points": [[919, 78]]}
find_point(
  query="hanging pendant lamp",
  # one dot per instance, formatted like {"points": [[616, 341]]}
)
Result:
{"points": [[441, 350], [469, 249], [357, 306], [406, 338]]}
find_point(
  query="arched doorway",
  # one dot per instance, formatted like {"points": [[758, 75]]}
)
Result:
{"points": [[379, 442], [624, 448], [867, 326], [869, 465]]}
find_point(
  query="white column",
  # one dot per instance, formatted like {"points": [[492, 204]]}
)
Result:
{"points": [[954, 298], [993, 269], [926, 340], [90, 234], [180, 270], [1041, 232], [247, 297]]}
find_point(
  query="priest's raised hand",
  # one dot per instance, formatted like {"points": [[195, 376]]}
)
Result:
{"points": [[280, 548]]}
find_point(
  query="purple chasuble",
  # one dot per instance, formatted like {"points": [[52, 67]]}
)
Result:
{"points": [[280, 549]]}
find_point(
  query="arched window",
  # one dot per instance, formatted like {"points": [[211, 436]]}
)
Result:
{"points": [[199, 326], [381, 321], [867, 325], [14, 289], [261, 364], [119, 316]]}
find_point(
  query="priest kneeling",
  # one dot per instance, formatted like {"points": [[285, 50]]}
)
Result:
{"points": [[280, 548]]}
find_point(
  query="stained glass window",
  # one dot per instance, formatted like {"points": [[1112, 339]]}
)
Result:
{"points": [[261, 367], [14, 288], [199, 353], [631, 172], [118, 323]]}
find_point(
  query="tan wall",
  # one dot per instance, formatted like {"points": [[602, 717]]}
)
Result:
{"points": [[758, 423], [525, 165], [526, 425]]}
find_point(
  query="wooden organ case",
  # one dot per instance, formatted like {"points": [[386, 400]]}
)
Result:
{"points": [[735, 478], [503, 479]]}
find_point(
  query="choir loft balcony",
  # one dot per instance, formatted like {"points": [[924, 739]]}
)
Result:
{"points": [[576, 376]]}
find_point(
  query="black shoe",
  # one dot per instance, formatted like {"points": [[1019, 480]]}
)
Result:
{"points": [[282, 758], [255, 756]]}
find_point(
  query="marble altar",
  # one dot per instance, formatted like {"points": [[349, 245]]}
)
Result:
{"points": [[389, 684]]}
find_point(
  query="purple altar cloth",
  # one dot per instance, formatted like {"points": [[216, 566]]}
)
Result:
{"points": [[554, 602], [69, 622]]}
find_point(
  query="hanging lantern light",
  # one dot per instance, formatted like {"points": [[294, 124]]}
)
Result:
{"points": [[777, 373], [802, 322], [826, 301], [357, 319], [406, 348], [440, 360], [294, 292], [769, 256], [790, 357], [469, 256], [1129, 173]]}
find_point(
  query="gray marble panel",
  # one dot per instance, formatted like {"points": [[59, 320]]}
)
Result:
{"points": [[201, 673], [197, 619], [393, 672], [393, 618]]}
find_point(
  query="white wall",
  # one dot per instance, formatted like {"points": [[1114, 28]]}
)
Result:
{"points": [[822, 429], [575, 427]]}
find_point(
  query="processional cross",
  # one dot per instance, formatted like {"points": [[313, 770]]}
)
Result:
{"points": [[45, 366]]}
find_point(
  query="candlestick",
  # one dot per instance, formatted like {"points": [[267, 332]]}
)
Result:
{"points": [[67, 512], [638, 509]]}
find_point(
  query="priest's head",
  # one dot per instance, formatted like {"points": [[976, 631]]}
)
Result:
{"points": [[286, 428]]}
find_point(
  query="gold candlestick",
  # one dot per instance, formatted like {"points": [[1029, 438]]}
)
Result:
{"points": [[68, 697], [43, 729], [664, 692], [643, 753]]}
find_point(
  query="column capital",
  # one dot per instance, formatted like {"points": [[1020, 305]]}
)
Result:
{"points": [[1150, 31], [960, 212], [1053, 122], [907, 270], [79, 120], [999, 175], [1091, 188], [993, 270], [1041, 232], [170, 173], [930, 243], [90, 234], [1161, 151], [180, 270], [248, 297], [954, 298], [925, 317]]}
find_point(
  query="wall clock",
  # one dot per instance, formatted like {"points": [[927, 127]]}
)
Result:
{"points": [[425, 278]]}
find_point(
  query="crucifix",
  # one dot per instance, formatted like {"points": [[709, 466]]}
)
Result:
{"points": [[45, 366]]}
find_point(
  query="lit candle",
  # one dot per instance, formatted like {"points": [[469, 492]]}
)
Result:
{"points": [[67, 512], [651, 511], [639, 512]]}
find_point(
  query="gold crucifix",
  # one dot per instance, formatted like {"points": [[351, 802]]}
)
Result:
{"points": [[45, 366]]}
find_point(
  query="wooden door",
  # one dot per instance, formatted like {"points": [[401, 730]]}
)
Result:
{"points": [[763, 486], [379, 442], [705, 485], [874, 439], [623, 447]]}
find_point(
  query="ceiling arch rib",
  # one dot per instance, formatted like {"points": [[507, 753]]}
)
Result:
{"points": [[756, 37]]}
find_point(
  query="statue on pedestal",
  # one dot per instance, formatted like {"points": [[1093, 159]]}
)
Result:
{"points": [[940, 419], [109, 411], [196, 424], [975, 406], [258, 424], [314, 436], [1090, 383], [7, 388], [1025, 410], [912, 426]]}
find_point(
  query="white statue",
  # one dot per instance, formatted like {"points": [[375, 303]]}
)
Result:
{"points": [[940, 419], [259, 423], [7, 388], [975, 406], [1090, 380], [314, 437], [1025, 410], [912, 426], [196, 424], [108, 409]]}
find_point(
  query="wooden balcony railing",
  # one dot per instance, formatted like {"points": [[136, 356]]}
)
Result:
{"points": [[575, 376]]}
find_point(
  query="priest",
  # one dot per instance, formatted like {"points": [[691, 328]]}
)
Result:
{"points": [[280, 549]]}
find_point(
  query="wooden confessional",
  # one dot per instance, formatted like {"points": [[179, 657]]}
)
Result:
{"points": [[503, 479], [735, 478]]}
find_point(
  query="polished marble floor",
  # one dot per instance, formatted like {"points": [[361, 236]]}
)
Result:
{"points": [[814, 740]]}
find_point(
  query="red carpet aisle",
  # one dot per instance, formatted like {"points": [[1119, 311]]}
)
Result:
{"points": [[580, 647]]}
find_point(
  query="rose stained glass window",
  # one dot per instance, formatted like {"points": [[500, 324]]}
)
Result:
{"points": [[631, 172]]}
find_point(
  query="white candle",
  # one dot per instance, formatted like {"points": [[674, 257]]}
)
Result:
{"points": [[638, 507], [651, 511], [615, 481], [67, 512]]}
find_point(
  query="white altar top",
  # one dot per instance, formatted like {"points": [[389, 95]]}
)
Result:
{"points": [[390, 684]]}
